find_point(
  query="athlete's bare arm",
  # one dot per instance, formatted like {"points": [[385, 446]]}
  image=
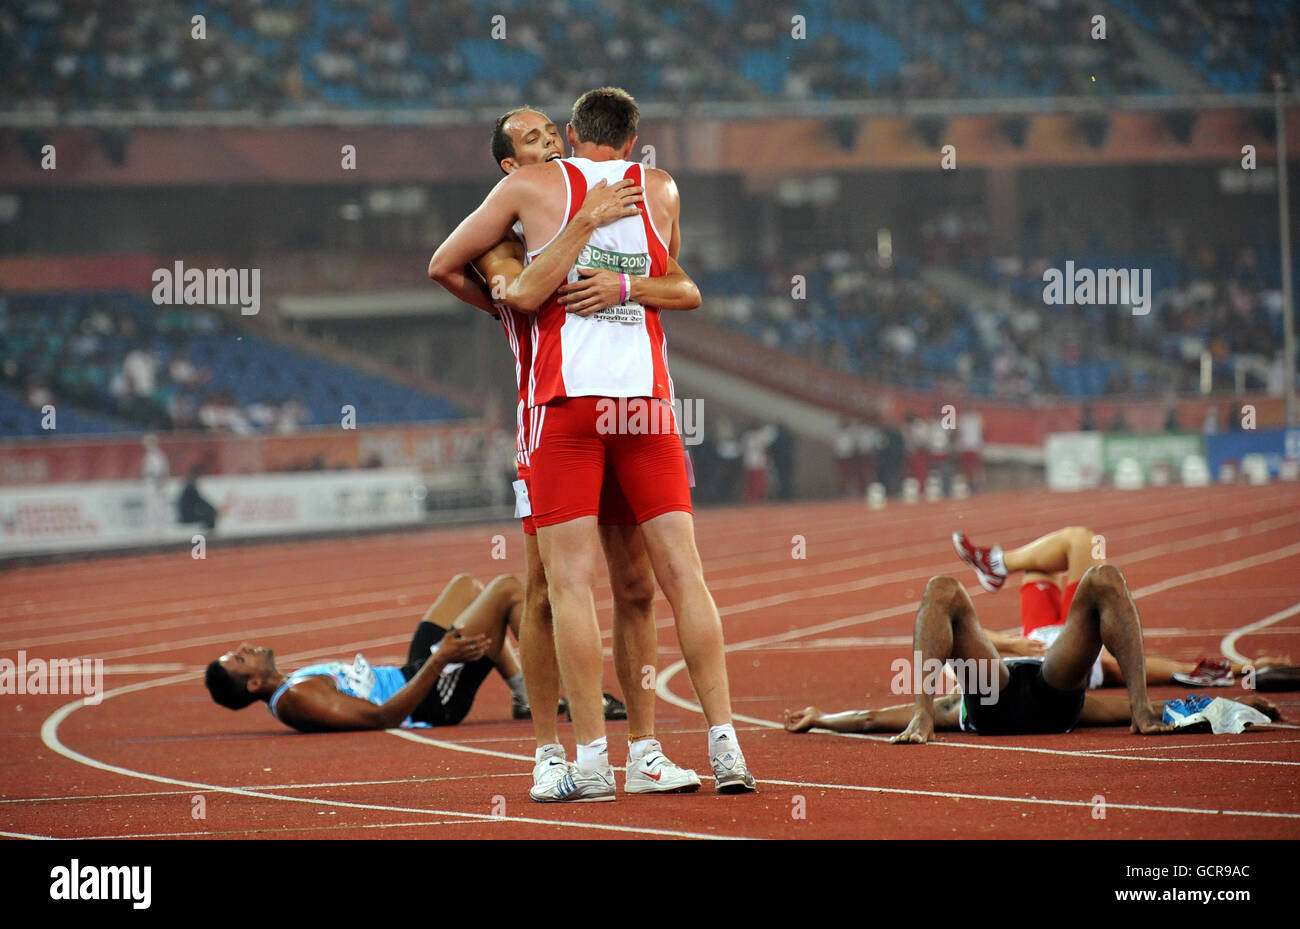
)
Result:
{"points": [[526, 287], [886, 719], [1015, 646], [316, 705], [600, 288], [478, 233]]}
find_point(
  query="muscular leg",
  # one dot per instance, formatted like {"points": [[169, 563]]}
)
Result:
{"points": [[1068, 551], [454, 600], [670, 541], [537, 648], [1103, 613], [946, 627], [489, 614], [570, 552], [636, 641]]}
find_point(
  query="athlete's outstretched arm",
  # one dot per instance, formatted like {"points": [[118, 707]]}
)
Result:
{"points": [[885, 719], [476, 234]]}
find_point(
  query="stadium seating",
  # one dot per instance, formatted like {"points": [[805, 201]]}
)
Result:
{"points": [[75, 349], [313, 54]]}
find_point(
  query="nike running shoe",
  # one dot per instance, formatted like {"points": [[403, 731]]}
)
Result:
{"points": [[653, 773], [981, 559]]}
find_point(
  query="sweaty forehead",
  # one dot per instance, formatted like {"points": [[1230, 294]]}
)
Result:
{"points": [[523, 123]]}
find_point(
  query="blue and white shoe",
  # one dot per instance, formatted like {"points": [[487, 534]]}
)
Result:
{"points": [[730, 773], [570, 785]]}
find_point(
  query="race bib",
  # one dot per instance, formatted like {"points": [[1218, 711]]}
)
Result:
{"points": [[629, 313], [636, 264], [360, 677], [523, 507]]}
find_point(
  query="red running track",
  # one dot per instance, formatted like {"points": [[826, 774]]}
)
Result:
{"points": [[155, 753]]}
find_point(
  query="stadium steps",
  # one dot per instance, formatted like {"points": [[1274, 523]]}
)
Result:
{"points": [[1166, 68]]}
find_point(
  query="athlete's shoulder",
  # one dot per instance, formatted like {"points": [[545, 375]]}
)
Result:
{"points": [[296, 705], [529, 177], [660, 181]]}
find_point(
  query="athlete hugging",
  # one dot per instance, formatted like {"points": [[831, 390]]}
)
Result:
{"points": [[582, 314]]}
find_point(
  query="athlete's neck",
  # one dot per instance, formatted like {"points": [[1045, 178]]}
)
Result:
{"points": [[598, 152]]}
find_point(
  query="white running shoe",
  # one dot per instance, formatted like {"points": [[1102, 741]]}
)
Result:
{"points": [[550, 768], [653, 773], [730, 773], [571, 785]]}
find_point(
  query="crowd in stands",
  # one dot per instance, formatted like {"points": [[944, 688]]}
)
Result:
{"points": [[885, 317], [1235, 44], [312, 54], [120, 362]]}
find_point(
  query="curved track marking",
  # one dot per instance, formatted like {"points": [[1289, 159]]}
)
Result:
{"points": [[50, 736], [1229, 644]]}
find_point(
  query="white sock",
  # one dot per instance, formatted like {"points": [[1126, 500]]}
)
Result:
{"points": [[725, 731], [636, 751], [594, 756], [517, 687], [551, 748], [995, 560]]}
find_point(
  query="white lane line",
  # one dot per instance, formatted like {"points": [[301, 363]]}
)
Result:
{"points": [[1229, 644], [1034, 800], [1250, 743], [50, 736], [1241, 564], [339, 827], [453, 746]]}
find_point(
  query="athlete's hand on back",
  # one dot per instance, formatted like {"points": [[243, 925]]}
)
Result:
{"points": [[606, 202], [597, 289]]}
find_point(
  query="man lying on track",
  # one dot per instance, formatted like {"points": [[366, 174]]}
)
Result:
{"points": [[1053, 565], [1024, 696], [456, 645]]}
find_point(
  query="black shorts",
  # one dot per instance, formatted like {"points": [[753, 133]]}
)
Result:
{"points": [[1028, 705], [453, 692]]}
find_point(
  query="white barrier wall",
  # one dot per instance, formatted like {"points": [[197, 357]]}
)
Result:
{"points": [[112, 514], [1074, 460]]}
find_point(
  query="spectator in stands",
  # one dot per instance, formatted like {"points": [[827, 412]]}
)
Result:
{"points": [[293, 415]]}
